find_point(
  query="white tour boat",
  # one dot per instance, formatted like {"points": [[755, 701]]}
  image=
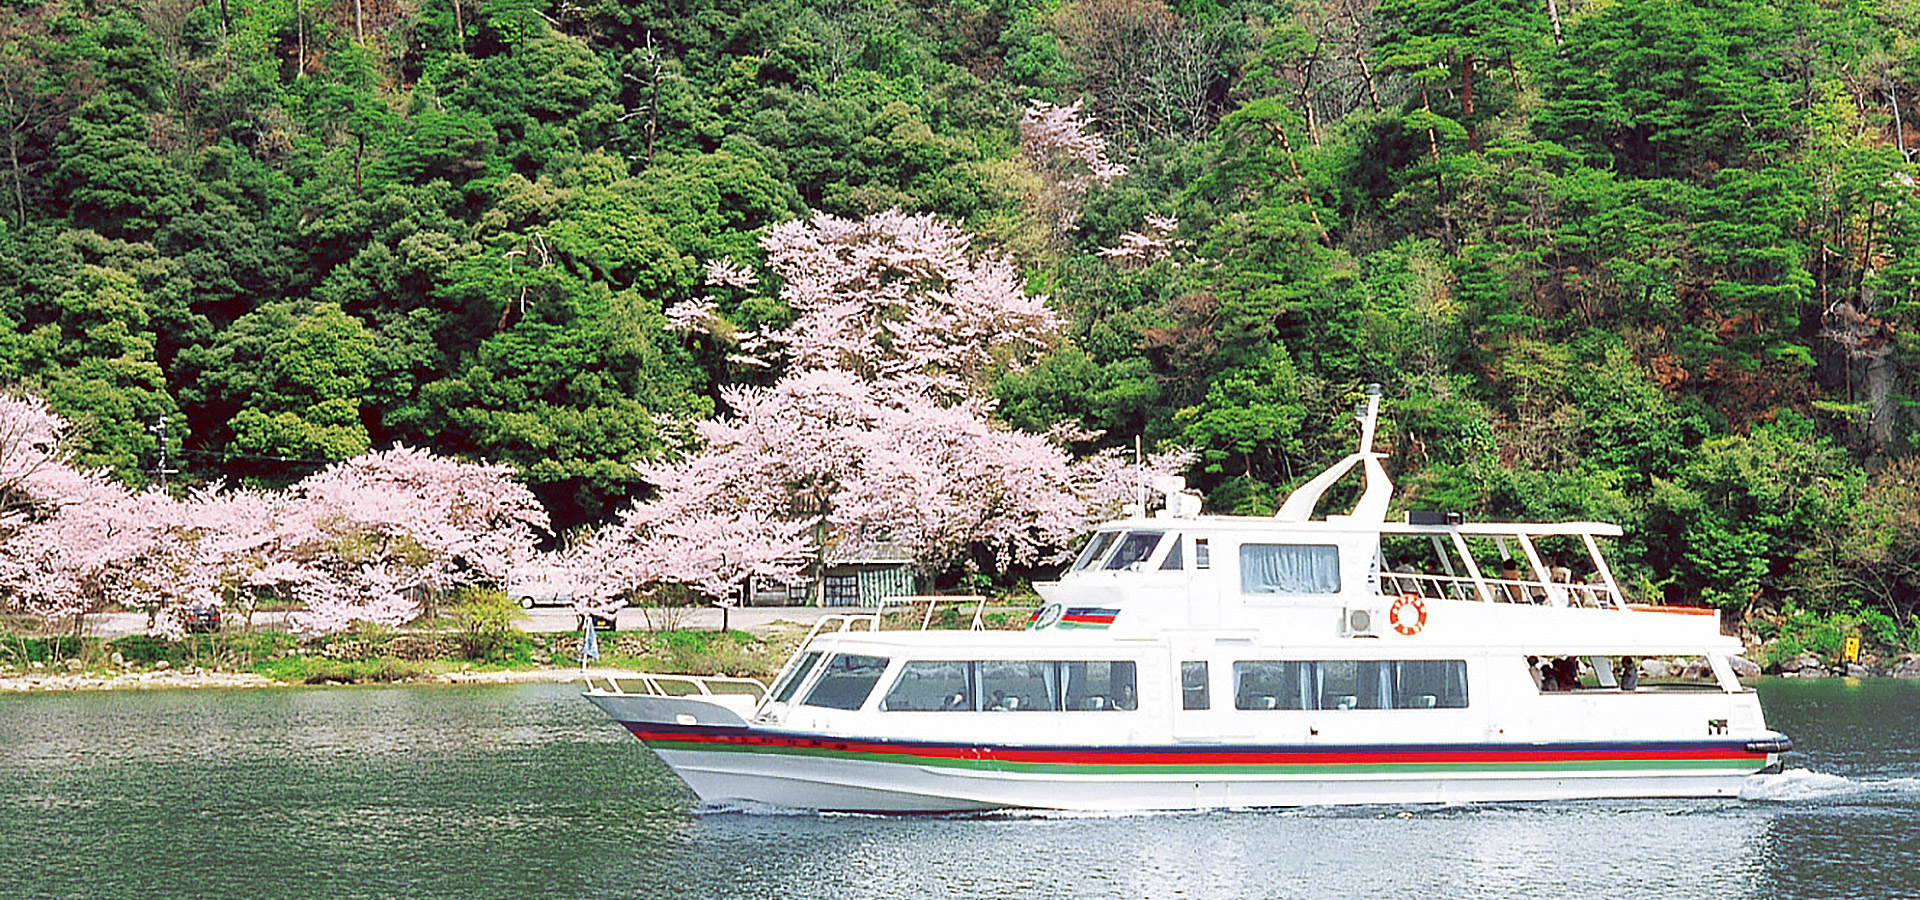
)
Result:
{"points": [[1188, 661]]}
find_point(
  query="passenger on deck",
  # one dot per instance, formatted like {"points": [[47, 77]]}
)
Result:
{"points": [[1510, 575], [1596, 591], [1558, 572], [1582, 595], [1404, 566], [1566, 671], [1549, 679], [1536, 672]]}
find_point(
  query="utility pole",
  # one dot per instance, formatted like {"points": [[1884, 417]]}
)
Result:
{"points": [[161, 471]]}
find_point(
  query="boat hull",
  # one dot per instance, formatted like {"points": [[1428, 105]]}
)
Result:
{"points": [[746, 765]]}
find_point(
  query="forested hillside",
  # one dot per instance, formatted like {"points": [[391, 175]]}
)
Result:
{"points": [[1645, 261]]}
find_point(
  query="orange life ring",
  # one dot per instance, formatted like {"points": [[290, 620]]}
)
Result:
{"points": [[1409, 614]]}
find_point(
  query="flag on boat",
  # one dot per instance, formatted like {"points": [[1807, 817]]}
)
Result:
{"points": [[1088, 617], [590, 642]]}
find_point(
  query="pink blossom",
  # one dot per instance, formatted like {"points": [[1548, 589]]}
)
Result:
{"points": [[878, 430], [1050, 134], [727, 273], [358, 540], [1155, 241], [692, 315], [900, 296]]}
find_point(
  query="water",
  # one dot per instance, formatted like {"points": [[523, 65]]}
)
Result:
{"points": [[505, 793]]}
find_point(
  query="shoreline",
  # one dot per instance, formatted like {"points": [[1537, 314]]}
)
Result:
{"points": [[208, 679]]}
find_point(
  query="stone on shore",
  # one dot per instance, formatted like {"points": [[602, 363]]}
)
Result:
{"points": [[85, 681]]}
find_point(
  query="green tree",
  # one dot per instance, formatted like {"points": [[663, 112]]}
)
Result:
{"points": [[1655, 90], [1731, 527], [282, 388], [1249, 424], [107, 177], [94, 364]]}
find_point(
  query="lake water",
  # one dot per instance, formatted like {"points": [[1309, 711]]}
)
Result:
{"points": [[520, 792]]}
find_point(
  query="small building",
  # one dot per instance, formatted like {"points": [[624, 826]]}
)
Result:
{"points": [[860, 574]]}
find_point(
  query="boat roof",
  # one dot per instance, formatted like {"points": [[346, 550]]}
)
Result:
{"points": [[1259, 523]]}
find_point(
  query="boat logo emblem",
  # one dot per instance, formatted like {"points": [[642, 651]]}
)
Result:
{"points": [[1045, 616], [1409, 614]]}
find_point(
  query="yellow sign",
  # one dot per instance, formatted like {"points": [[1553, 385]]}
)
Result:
{"points": [[1850, 652]]}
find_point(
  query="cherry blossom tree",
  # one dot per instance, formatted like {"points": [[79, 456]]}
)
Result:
{"points": [[1152, 243], [398, 522], [360, 540], [29, 453], [903, 299], [63, 531], [1061, 147], [1058, 141], [728, 273], [879, 428]]}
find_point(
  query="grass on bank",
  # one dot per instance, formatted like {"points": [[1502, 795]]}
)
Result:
{"points": [[372, 656]]}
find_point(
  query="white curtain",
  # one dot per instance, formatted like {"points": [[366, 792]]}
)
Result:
{"points": [[1289, 569]]}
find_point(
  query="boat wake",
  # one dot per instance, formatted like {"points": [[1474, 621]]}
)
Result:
{"points": [[1806, 786], [750, 809]]}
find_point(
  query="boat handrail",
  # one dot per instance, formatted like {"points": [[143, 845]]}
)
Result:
{"points": [[887, 605], [933, 601], [655, 684], [1500, 590]]}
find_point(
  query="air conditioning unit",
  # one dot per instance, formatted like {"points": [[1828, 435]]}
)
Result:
{"points": [[1363, 621]]}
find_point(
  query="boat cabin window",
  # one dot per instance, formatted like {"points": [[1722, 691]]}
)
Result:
{"points": [[1013, 686], [783, 690], [1134, 548], [1173, 562], [1350, 684], [1098, 685], [927, 685], [1194, 693], [1273, 684], [846, 681], [1557, 674], [1016, 686], [1095, 549], [1289, 569], [1202, 558]]}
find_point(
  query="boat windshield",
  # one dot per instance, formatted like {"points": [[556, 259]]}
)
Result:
{"points": [[1101, 542], [1137, 546], [783, 690], [846, 681]]}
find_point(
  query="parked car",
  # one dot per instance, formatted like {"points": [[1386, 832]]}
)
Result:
{"points": [[607, 622], [201, 619]]}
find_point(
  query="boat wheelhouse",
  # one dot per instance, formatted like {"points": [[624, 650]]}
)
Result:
{"points": [[1188, 661]]}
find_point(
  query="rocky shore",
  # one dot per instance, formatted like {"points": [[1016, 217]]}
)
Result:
{"points": [[1868, 667], [166, 678]]}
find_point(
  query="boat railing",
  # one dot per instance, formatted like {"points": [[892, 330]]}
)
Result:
{"points": [[657, 684], [875, 617], [932, 604], [1500, 590]]}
